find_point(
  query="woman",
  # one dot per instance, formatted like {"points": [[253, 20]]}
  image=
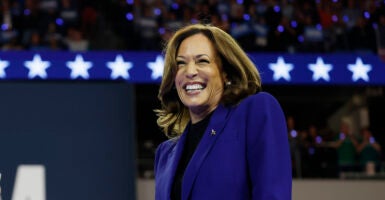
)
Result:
{"points": [[227, 139]]}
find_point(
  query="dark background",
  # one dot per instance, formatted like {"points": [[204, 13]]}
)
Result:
{"points": [[82, 132]]}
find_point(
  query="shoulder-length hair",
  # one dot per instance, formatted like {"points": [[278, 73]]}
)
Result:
{"points": [[241, 74]]}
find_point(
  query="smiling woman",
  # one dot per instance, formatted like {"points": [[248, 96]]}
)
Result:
{"points": [[241, 74], [227, 140], [199, 80]]}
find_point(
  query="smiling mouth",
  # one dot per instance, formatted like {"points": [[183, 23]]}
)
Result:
{"points": [[191, 88]]}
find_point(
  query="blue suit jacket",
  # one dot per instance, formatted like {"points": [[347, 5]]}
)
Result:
{"points": [[243, 154]]}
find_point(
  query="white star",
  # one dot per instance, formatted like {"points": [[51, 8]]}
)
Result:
{"points": [[37, 67], [359, 70], [156, 67], [119, 68], [79, 67], [3, 64], [281, 69], [320, 70]]}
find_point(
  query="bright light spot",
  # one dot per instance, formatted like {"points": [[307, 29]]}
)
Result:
{"points": [[175, 6], [246, 17], [345, 18], [277, 8], [334, 18], [294, 24], [59, 21], [293, 133], [318, 139], [280, 28], [161, 30], [129, 16], [301, 38], [157, 11], [366, 14], [4, 27], [239, 1], [130, 2]]}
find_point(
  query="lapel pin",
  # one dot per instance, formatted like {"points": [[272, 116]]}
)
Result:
{"points": [[213, 132]]}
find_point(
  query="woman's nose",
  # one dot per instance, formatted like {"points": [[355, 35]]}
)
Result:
{"points": [[191, 70]]}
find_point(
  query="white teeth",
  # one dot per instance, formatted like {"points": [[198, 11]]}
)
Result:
{"points": [[194, 87]]}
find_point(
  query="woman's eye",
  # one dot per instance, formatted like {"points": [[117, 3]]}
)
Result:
{"points": [[203, 61], [180, 63]]}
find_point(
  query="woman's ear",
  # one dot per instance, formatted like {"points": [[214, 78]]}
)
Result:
{"points": [[226, 81], [224, 76]]}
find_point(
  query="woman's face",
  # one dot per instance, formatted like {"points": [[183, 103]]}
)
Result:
{"points": [[199, 79]]}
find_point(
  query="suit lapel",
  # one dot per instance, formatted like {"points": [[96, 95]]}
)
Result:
{"points": [[174, 160], [212, 132]]}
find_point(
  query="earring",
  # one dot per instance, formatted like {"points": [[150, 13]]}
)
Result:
{"points": [[228, 83]]}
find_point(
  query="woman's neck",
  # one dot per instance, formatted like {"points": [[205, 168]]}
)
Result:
{"points": [[196, 115]]}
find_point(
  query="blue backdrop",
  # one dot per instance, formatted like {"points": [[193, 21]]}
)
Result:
{"points": [[146, 67]]}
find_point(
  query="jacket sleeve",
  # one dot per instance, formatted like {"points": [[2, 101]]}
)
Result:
{"points": [[157, 155], [268, 153]]}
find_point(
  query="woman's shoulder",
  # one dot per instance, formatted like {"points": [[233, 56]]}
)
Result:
{"points": [[167, 145], [163, 150], [259, 105], [260, 98]]}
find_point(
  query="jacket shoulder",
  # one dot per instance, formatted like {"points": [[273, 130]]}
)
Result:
{"points": [[261, 107], [163, 150], [166, 146], [260, 98]]}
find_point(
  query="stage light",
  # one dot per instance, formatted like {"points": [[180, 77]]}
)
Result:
{"points": [[129, 16]]}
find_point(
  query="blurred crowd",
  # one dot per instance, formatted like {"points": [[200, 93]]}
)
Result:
{"points": [[258, 25], [323, 153]]}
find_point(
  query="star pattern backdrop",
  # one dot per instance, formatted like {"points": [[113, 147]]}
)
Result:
{"points": [[147, 67]]}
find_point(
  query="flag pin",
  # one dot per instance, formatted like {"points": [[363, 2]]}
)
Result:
{"points": [[213, 132]]}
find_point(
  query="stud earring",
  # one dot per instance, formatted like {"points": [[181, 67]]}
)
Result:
{"points": [[228, 83]]}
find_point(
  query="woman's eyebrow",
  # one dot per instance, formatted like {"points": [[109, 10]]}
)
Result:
{"points": [[197, 56], [201, 55]]}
